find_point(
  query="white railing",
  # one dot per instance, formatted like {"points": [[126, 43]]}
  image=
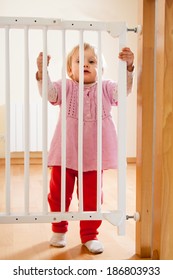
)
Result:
{"points": [[116, 30]]}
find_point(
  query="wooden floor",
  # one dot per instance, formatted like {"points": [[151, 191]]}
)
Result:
{"points": [[31, 241]]}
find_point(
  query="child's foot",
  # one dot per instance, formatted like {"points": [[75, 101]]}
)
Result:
{"points": [[94, 246], [58, 240]]}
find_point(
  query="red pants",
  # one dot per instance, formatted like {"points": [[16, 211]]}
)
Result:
{"points": [[88, 229]]}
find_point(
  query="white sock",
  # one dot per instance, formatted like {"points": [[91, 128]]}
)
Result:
{"points": [[94, 246], [58, 240]]}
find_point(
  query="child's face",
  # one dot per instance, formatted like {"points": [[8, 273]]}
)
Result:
{"points": [[90, 66]]}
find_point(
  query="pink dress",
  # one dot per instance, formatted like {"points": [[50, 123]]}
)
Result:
{"points": [[109, 135]]}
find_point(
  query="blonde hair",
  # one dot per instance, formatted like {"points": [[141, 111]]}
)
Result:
{"points": [[76, 48]]}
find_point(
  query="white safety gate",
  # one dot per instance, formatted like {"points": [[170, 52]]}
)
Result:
{"points": [[115, 29]]}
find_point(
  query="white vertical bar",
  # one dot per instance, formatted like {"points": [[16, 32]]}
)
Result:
{"points": [[7, 99], [26, 121], [99, 123], [122, 96], [63, 125], [44, 120], [80, 120]]}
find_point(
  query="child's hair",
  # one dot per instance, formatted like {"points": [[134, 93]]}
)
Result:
{"points": [[76, 48]]}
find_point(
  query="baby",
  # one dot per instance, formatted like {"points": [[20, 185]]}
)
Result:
{"points": [[88, 228]]}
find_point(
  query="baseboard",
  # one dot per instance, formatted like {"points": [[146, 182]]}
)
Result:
{"points": [[131, 159], [17, 158]]}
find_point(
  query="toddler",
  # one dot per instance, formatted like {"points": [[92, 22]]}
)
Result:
{"points": [[88, 229]]}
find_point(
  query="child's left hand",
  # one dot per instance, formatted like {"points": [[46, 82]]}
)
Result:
{"points": [[127, 55]]}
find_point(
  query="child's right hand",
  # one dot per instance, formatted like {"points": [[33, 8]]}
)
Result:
{"points": [[40, 62]]}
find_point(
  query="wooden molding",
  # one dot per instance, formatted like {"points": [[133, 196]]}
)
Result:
{"points": [[36, 158]]}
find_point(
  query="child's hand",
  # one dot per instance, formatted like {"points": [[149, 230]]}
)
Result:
{"points": [[40, 65], [127, 55], [40, 61]]}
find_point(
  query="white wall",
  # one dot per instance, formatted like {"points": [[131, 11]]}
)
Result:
{"points": [[103, 10]]}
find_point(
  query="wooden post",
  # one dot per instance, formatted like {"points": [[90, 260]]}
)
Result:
{"points": [[166, 247], [145, 101], [154, 233], [157, 152]]}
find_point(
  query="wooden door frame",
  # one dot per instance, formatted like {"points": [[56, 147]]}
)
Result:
{"points": [[145, 110], [155, 131]]}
